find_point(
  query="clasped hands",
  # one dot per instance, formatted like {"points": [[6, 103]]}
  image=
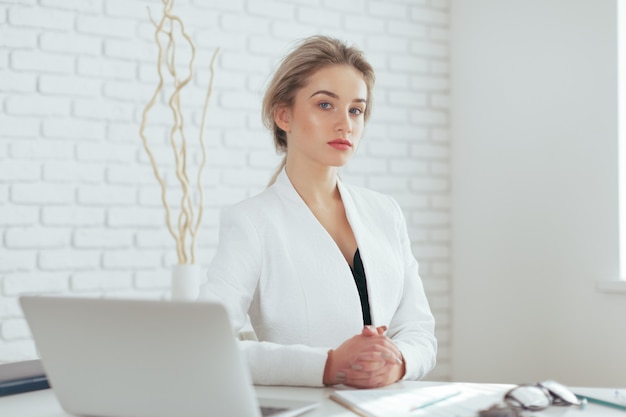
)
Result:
{"points": [[367, 360]]}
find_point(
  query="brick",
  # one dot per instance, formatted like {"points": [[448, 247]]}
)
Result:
{"points": [[41, 61], [124, 174], [37, 105], [426, 185], [318, 16], [4, 58], [408, 133], [290, 30], [434, 218], [429, 117], [352, 7], [101, 280], [365, 165], [106, 68], [135, 50], [69, 128], [429, 49], [18, 350], [42, 149], [42, 193], [90, 6], [441, 236], [245, 62], [135, 217], [73, 172], [223, 118], [102, 238], [18, 126], [103, 152], [15, 215], [410, 64], [103, 110], [272, 9], [229, 22], [155, 239], [113, 27], [408, 98], [240, 100], [106, 195], [430, 151], [40, 17], [429, 16], [439, 34], [410, 30], [387, 183], [13, 329], [35, 282], [68, 85], [12, 37], [151, 196], [387, 9], [388, 44], [153, 279], [4, 193], [134, 9], [72, 216], [410, 201], [68, 259], [440, 135], [440, 101], [428, 83], [390, 114], [9, 307], [266, 45], [439, 68], [15, 260], [362, 24], [391, 80], [71, 43], [407, 166], [18, 82], [220, 5], [385, 149], [19, 171], [129, 91], [36, 237], [122, 259], [440, 168]]}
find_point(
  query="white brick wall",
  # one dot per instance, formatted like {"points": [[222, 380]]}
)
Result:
{"points": [[80, 211]]}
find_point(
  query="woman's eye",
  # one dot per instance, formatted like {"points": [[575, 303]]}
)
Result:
{"points": [[325, 105], [356, 111]]}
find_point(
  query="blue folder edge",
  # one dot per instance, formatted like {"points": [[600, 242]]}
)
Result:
{"points": [[23, 376]]}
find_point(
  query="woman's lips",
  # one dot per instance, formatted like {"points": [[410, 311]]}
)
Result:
{"points": [[340, 144]]}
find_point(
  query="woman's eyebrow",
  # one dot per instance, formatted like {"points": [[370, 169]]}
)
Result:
{"points": [[335, 96]]}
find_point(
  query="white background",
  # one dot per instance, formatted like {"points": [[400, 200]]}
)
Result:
{"points": [[534, 128]]}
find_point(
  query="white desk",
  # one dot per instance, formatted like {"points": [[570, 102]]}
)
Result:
{"points": [[44, 404]]}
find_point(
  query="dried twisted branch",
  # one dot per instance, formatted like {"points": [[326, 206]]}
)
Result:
{"points": [[186, 225]]}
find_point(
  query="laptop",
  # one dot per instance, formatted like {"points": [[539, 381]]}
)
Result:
{"points": [[138, 358]]}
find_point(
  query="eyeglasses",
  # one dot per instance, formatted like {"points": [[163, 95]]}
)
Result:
{"points": [[534, 397]]}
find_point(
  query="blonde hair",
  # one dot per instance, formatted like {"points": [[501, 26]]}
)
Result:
{"points": [[309, 56]]}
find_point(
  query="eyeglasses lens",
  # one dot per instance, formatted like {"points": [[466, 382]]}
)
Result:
{"points": [[530, 397], [561, 393]]}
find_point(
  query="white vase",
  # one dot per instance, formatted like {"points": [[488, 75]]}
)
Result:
{"points": [[185, 282]]}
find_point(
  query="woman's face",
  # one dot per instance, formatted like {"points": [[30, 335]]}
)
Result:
{"points": [[325, 123]]}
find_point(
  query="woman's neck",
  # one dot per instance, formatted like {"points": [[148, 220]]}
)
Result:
{"points": [[316, 186]]}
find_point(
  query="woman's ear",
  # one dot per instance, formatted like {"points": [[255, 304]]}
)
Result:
{"points": [[282, 118]]}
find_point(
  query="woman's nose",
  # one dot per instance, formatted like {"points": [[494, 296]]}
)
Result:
{"points": [[344, 122]]}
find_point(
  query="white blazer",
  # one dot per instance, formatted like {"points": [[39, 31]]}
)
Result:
{"points": [[276, 263]]}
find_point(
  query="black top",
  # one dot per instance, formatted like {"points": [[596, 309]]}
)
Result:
{"points": [[358, 272]]}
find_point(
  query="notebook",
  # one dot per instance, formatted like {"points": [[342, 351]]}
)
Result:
{"points": [[137, 358]]}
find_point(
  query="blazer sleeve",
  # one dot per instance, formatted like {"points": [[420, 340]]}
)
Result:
{"points": [[232, 279], [413, 326]]}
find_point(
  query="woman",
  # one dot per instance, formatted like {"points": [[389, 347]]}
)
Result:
{"points": [[290, 257]]}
